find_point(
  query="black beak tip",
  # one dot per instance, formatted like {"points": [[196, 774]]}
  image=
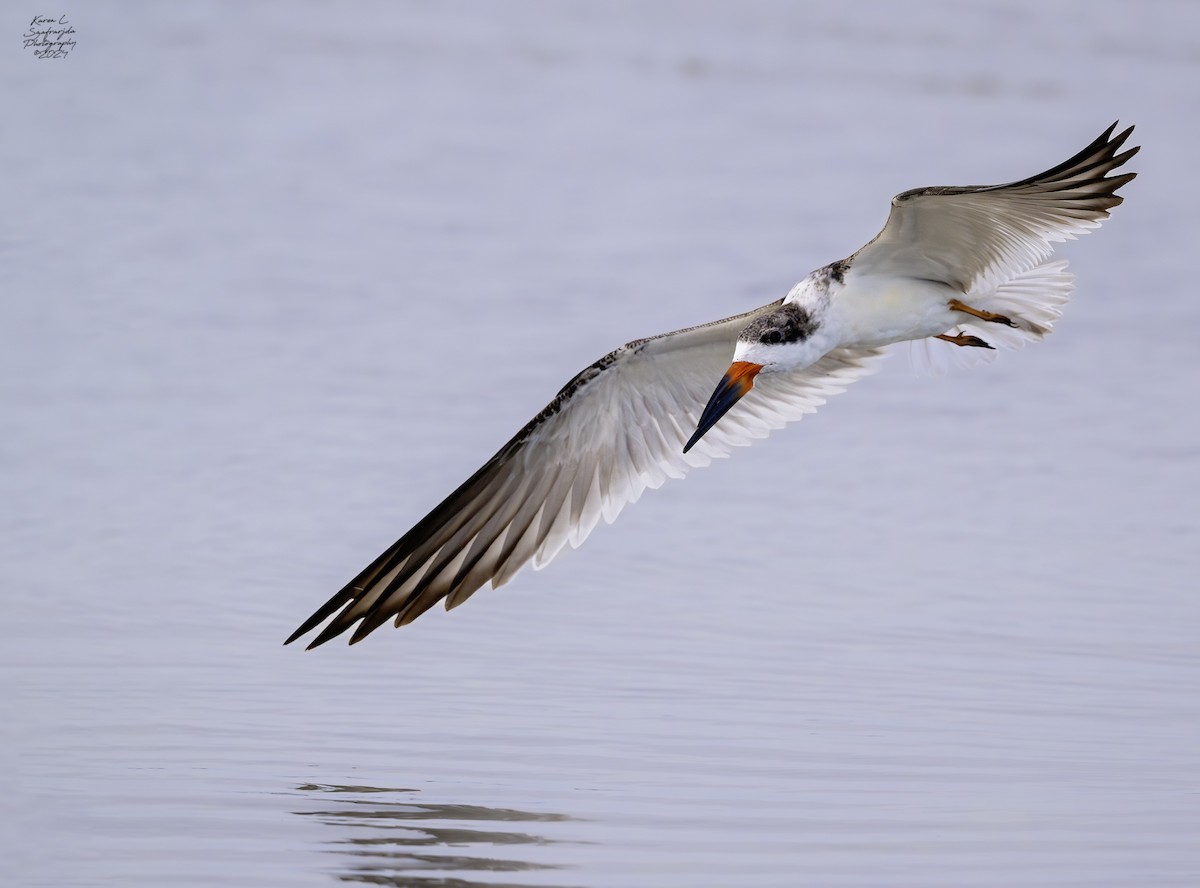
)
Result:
{"points": [[727, 393]]}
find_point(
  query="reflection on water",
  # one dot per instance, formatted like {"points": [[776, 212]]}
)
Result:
{"points": [[410, 844]]}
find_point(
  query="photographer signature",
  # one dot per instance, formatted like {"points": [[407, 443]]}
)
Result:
{"points": [[49, 38]]}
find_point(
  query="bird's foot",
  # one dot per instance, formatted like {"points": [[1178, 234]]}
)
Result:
{"points": [[989, 316], [963, 339]]}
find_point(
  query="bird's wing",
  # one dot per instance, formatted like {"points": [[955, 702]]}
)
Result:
{"points": [[614, 430], [977, 237]]}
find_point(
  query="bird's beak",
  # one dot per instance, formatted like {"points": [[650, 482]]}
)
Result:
{"points": [[738, 380]]}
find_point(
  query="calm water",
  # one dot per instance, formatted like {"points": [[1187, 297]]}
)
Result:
{"points": [[275, 279]]}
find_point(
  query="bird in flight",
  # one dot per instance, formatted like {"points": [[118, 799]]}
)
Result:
{"points": [[964, 265]]}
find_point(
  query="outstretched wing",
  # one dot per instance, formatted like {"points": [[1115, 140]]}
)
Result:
{"points": [[614, 430], [977, 237]]}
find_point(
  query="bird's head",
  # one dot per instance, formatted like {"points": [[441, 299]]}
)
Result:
{"points": [[774, 342]]}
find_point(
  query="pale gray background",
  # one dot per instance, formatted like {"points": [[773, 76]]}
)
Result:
{"points": [[277, 277]]}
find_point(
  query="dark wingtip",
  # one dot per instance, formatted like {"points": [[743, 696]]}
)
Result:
{"points": [[303, 630], [326, 635], [307, 627]]}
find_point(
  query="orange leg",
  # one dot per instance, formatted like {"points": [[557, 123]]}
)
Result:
{"points": [[982, 315], [963, 339]]}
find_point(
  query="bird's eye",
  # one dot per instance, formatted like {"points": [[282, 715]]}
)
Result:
{"points": [[772, 336]]}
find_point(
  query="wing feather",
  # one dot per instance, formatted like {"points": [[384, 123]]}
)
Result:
{"points": [[977, 237], [614, 431]]}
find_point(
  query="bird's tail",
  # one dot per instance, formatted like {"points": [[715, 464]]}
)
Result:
{"points": [[1033, 300]]}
